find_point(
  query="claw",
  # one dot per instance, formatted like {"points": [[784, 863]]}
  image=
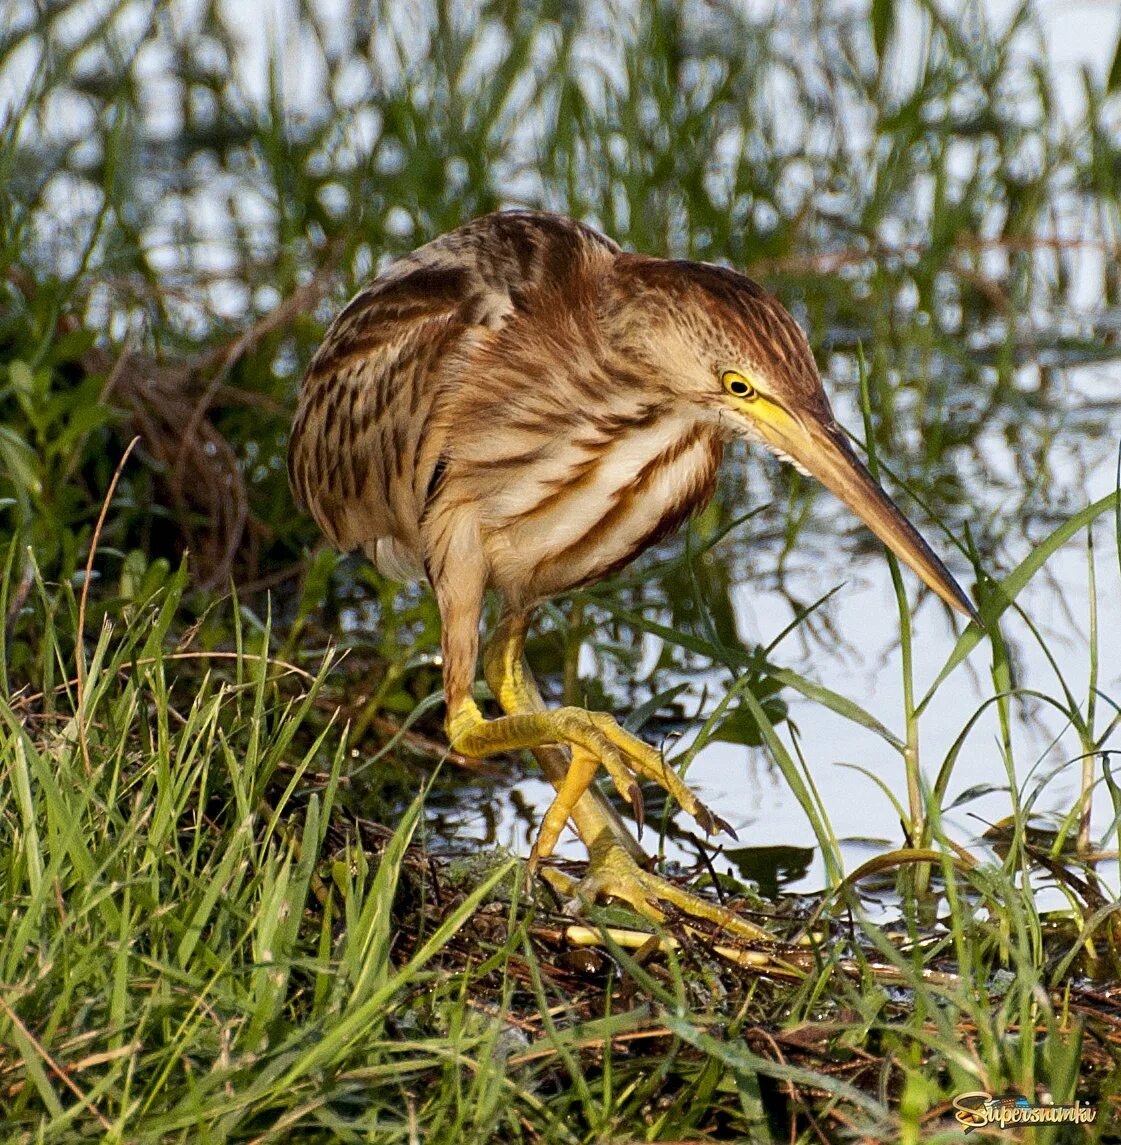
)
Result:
{"points": [[638, 807], [724, 826], [712, 824], [612, 873], [705, 819]]}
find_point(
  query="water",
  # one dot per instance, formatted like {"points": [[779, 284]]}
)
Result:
{"points": [[856, 652], [1057, 427], [1037, 444]]}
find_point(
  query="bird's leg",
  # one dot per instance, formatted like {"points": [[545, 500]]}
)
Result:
{"points": [[615, 860], [622, 755], [578, 779], [516, 691], [529, 725]]}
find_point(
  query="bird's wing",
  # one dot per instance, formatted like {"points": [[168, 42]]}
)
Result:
{"points": [[364, 450]]}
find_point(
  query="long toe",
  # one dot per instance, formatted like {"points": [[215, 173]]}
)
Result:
{"points": [[650, 764], [613, 873]]}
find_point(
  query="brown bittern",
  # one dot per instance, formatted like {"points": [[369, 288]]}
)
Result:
{"points": [[522, 406]]}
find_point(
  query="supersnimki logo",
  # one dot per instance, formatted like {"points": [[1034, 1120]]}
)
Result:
{"points": [[979, 1110]]}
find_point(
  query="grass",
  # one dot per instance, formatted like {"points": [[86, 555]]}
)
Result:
{"points": [[204, 943], [206, 721]]}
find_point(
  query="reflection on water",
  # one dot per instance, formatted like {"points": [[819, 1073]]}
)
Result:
{"points": [[770, 868]]}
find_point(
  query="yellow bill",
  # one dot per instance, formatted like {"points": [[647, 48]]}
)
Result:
{"points": [[826, 454]]}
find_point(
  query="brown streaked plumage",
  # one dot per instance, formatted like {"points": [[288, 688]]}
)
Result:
{"points": [[522, 406]]}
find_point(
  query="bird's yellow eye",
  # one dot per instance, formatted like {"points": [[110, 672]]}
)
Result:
{"points": [[737, 385]]}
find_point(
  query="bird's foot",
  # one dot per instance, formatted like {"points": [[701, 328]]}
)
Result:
{"points": [[578, 778], [614, 873], [643, 760], [595, 738]]}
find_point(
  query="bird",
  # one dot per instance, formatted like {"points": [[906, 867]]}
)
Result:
{"points": [[521, 407]]}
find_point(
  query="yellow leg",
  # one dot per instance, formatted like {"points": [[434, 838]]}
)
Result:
{"points": [[471, 734], [516, 691], [530, 725], [615, 859], [577, 780]]}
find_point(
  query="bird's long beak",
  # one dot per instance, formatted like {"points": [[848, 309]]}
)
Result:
{"points": [[826, 453]]}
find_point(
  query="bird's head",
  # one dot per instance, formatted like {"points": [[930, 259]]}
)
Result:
{"points": [[731, 350]]}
